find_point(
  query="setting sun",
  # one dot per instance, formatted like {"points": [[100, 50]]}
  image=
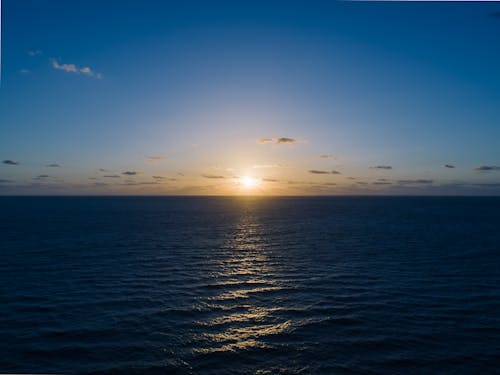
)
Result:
{"points": [[248, 182]]}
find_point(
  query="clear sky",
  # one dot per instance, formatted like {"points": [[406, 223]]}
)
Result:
{"points": [[249, 97]]}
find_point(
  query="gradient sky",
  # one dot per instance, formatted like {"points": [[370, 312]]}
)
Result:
{"points": [[306, 97]]}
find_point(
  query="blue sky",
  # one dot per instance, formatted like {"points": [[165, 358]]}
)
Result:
{"points": [[304, 98]]}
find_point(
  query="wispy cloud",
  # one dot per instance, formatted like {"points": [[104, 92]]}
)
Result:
{"points": [[24, 72], [269, 180], [72, 68], [412, 182], [111, 176], [213, 176], [130, 173], [133, 183], [155, 158], [449, 166], [34, 53], [265, 140], [10, 162], [381, 167], [2, 181], [487, 168], [258, 166], [41, 177], [315, 171], [280, 140], [53, 165], [161, 178], [327, 156]]}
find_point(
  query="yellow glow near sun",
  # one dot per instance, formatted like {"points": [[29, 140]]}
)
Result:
{"points": [[248, 182]]}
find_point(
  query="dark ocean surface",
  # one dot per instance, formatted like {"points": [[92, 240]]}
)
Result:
{"points": [[343, 285]]}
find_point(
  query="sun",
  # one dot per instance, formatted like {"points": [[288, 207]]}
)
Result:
{"points": [[248, 182]]}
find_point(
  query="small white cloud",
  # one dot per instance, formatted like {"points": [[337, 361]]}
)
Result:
{"points": [[24, 72], [35, 53], [72, 68]]}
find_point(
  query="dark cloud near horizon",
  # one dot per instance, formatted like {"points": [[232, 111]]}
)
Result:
{"points": [[449, 166], [419, 181], [3, 181], [161, 178], [133, 183], [111, 176], [213, 176], [315, 171], [487, 168], [280, 140], [53, 165], [10, 162], [130, 173], [327, 156], [269, 180], [41, 177], [381, 167]]}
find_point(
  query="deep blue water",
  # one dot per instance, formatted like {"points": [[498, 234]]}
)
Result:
{"points": [[345, 285]]}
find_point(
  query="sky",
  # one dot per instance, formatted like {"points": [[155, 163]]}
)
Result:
{"points": [[150, 97]]}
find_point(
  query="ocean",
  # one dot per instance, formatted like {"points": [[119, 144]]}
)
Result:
{"points": [[250, 285]]}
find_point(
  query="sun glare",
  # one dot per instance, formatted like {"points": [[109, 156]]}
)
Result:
{"points": [[248, 182]]}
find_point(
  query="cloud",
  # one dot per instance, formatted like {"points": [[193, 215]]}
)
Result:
{"points": [[280, 140], [315, 171], [24, 72], [269, 180], [72, 68], [213, 176], [327, 156], [133, 183], [130, 173], [35, 53], [412, 182], [41, 177], [103, 170], [2, 181], [155, 158], [10, 162], [449, 166], [381, 183], [265, 140], [53, 165], [286, 140], [158, 177], [267, 166], [111, 176], [381, 167], [487, 168]]}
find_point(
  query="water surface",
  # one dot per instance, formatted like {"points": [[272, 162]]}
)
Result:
{"points": [[340, 285]]}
